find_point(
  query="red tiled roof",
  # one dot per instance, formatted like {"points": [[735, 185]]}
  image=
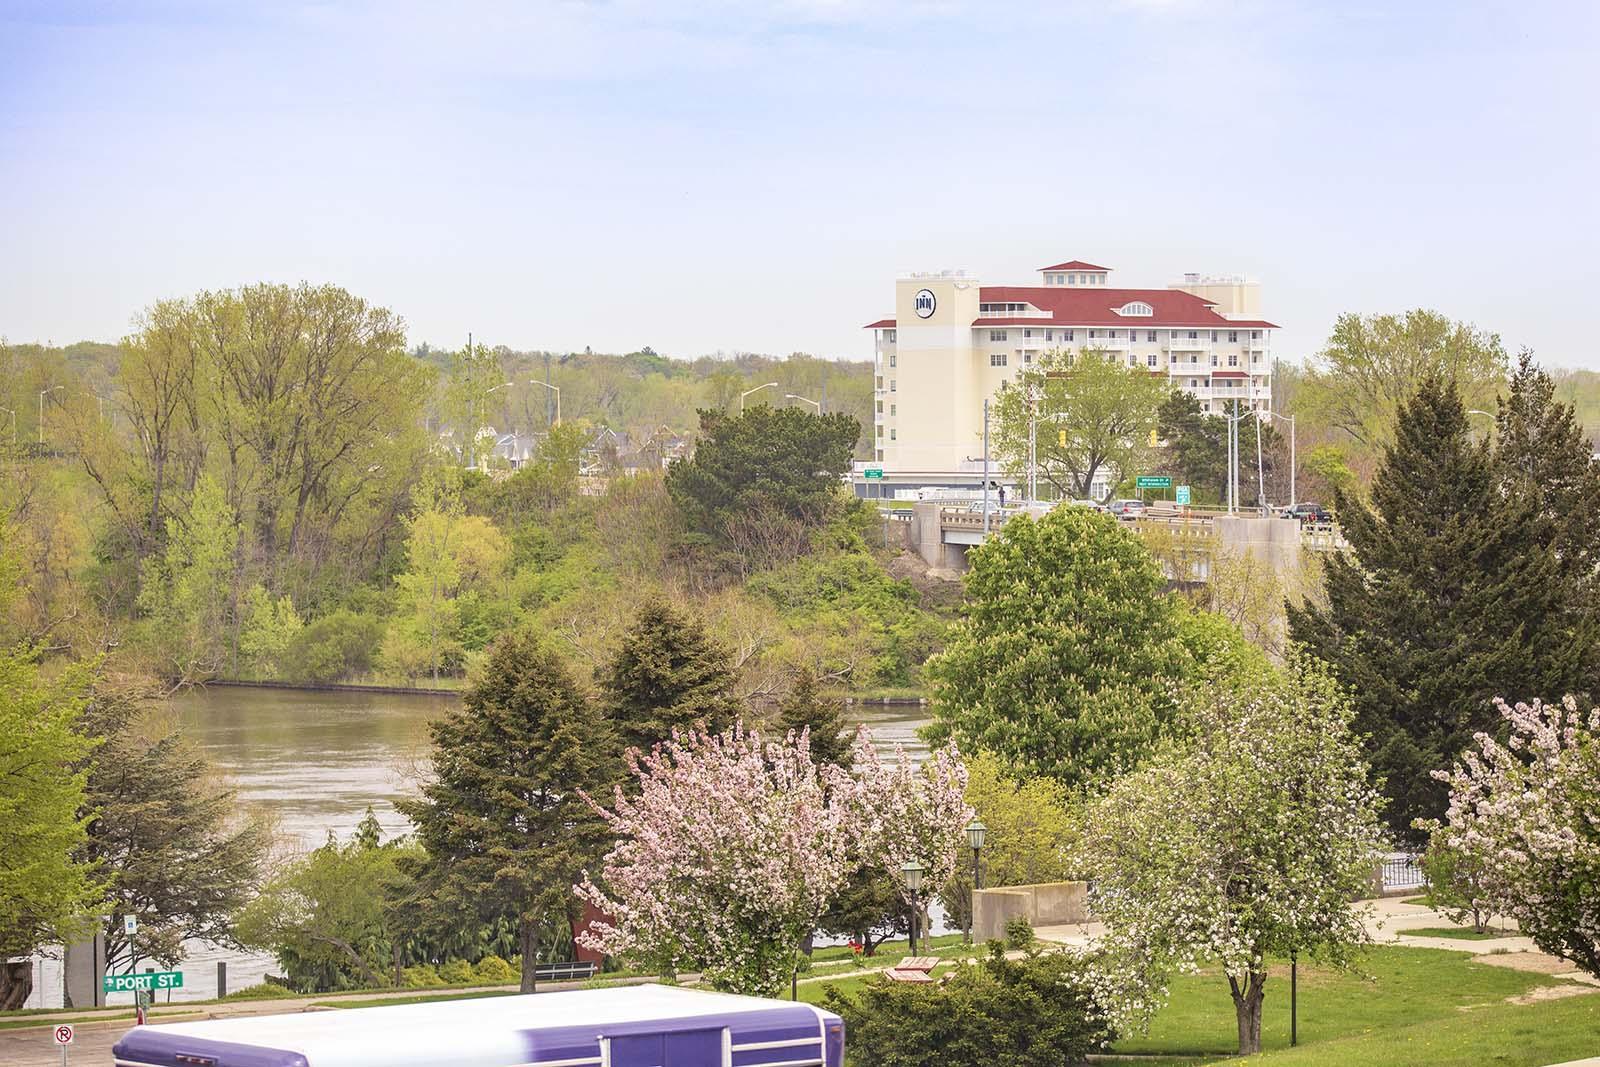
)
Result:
{"points": [[881, 324], [1094, 306], [1075, 264], [1217, 373]]}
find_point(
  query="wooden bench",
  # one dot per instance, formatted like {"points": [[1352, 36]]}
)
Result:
{"points": [[563, 972]]}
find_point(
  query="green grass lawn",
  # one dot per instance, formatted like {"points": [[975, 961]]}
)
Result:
{"points": [[1462, 933], [1506, 1035], [1398, 987]]}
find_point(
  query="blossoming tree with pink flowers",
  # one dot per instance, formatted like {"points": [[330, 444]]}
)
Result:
{"points": [[733, 847], [1526, 815]]}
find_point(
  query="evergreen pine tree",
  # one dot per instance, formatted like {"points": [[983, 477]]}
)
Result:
{"points": [[667, 673], [506, 831], [806, 708], [1448, 598], [1541, 449]]}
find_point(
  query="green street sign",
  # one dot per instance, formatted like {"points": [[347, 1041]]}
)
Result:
{"points": [[1181, 494], [1153, 481], [150, 980], [872, 472]]}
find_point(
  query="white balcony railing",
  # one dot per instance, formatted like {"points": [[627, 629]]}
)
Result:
{"points": [[1190, 344]]}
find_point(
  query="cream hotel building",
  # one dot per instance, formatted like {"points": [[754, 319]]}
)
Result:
{"points": [[954, 341]]}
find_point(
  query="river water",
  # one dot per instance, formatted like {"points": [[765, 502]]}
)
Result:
{"points": [[314, 761]]}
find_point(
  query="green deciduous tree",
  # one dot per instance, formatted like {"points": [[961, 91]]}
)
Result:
{"points": [[185, 592], [165, 828], [1031, 828], [1453, 593], [1065, 662], [1195, 448], [1093, 416], [1250, 837], [330, 916], [506, 832], [1372, 364], [667, 673], [47, 886], [268, 632]]}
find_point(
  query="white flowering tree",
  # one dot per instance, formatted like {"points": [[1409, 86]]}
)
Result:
{"points": [[734, 846], [903, 812], [1526, 816], [1251, 837]]}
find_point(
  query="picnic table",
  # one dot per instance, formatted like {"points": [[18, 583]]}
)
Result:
{"points": [[913, 969]]}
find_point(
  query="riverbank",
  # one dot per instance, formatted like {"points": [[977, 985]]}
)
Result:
{"points": [[891, 699]]}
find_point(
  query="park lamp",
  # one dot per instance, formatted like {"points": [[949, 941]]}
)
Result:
{"points": [[911, 874], [976, 833]]}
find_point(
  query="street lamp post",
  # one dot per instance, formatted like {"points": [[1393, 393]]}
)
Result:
{"points": [[976, 832], [1290, 420], [757, 389], [556, 389], [42, 392], [911, 873], [808, 400]]}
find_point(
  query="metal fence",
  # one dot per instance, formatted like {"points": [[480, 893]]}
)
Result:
{"points": [[1402, 870]]}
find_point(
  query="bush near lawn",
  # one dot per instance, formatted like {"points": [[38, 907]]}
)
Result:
{"points": [[1000, 1013]]}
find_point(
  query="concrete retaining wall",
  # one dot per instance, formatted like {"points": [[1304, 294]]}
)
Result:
{"points": [[1044, 904]]}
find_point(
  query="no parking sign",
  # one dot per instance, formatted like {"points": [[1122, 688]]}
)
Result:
{"points": [[63, 1035]]}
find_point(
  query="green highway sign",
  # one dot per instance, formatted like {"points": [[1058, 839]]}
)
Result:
{"points": [[872, 472], [1153, 481], [128, 983], [1181, 494]]}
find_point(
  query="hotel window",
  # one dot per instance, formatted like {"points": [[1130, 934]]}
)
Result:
{"points": [[1233, 336], [1233, 359], [880, 407], [880, 455], [1213, 336], [1072, 279], [997, 335], [891, 359], [879, 381], [1093, 334], [879, 428], [892, 409], [1027, 333], [1194, 383], [1027, 357], [1150, 336], [1133, 360], [1049, 335], [891, 385], [1194, 335], [891, 433], [1255, 335], [997, 359], [1068, 336], [1150, 360], [888, 335], [1213, 359]]}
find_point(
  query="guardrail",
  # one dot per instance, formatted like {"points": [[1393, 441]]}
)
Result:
{"points": [[1402, 870]]}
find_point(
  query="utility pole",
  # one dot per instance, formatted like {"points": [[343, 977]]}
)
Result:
{"points": [[986, 467], [1033, 444]]}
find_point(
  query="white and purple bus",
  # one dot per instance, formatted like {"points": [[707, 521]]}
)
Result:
{"points": [[624, 1026]]}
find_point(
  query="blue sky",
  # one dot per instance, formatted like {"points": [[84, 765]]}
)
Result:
{"points": [[750, 176]]}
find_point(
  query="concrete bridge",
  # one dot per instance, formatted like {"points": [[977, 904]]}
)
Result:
{"points": [[1184, 540]]}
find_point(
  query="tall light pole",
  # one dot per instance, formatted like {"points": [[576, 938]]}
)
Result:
{"points": [[42, 392], [976, 832], [1290, 420], [556, 389], [911, 874], [757, 389], [808, 400]]}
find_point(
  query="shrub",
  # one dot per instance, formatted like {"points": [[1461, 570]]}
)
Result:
{"points": [[492, 970], [1019, 932], [338, 645], [1001, 1013], [455, 972], [420, 977]]}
